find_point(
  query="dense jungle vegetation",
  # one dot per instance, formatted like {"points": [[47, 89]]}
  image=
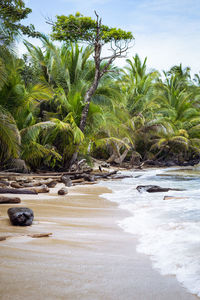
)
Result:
{"points": [[134, 114]]}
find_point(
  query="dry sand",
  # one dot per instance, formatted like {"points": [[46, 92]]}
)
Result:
{"points": [[87, 257]]}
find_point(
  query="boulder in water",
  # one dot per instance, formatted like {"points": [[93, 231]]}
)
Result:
{"points": [[154, 189]]}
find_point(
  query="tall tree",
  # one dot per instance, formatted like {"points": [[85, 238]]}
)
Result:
{"points": [[85, 29]]}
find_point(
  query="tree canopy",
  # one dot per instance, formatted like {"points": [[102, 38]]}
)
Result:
{"points": [[80, 28], [12, 12]]}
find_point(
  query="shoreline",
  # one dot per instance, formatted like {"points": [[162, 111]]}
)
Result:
{"points": [[88, 256]]}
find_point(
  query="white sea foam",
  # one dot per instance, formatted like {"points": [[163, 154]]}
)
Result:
{"points": [[167, 230]]}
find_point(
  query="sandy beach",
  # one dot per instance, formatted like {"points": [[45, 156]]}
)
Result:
{"points": [[87, 257]]}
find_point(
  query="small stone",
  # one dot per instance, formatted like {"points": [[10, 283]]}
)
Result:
{"points": [[63, 191]]}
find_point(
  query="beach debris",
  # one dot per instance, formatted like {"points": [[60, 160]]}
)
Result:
{"points": [[16, 185], [2, 185], [4, 182], [89, 177], [52, 184], [20, 216], [173, 197], [4, 200], [154, 189], [63, 191], [41, 189], [66, 180], [105, 165], [34, 183], [3, 238], [40, 235], [16, 191]]}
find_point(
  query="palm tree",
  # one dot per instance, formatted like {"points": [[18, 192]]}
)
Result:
{"points": [[9, 136]]}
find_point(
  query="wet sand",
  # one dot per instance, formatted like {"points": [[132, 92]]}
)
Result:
{"points": [[87, 257]]}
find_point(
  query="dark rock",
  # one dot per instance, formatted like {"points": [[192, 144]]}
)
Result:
{"points": [[21, 216], [63, 191], [154, 189], [66, 180]]}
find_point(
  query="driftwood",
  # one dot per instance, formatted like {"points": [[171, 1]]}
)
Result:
{"points": [[105, 175], [34, 183], [40, 235], [40, 189], [49, 182], [66, 180], [16, 185], [16, 191], [3, 238], [4, 182], [2, 185], [122, 176], [9, 200], [80, 180], [174, 197]]}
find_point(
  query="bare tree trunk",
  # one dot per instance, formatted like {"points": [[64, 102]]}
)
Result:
{"points": [[90, 92], [117, 52]]}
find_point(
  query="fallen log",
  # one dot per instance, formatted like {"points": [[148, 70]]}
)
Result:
{"points": [[16, 185], [2, 185], [77, 180], [122, 176], [49, 182], [4, 182], [9, 200], [17, 191], [105, 175], [40, 189]]}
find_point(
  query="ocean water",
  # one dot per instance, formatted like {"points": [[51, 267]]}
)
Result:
{"points": [[167, 230]]}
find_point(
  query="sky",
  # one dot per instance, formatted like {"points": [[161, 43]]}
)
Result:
{"points": [[166, 31]]}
